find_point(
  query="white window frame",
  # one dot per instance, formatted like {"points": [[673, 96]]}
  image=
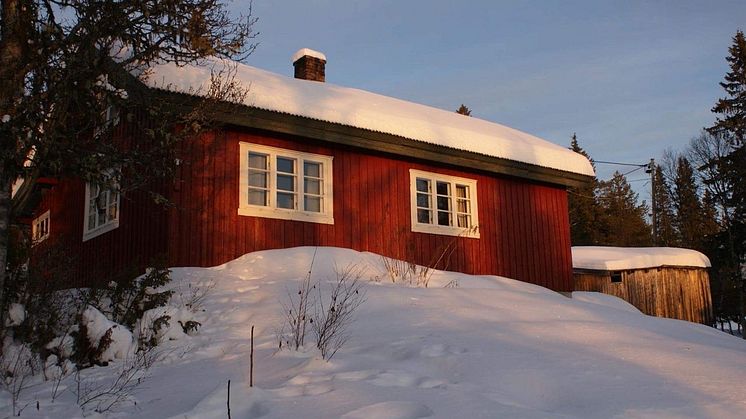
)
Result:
{"points": [[40, 228], [325, 216], [109, 225], [453, 230]]}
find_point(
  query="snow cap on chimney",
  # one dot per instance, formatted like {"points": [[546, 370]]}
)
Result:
{"points": [[309, 65]]}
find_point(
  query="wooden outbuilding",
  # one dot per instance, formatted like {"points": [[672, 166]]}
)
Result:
{"points": [[307, 163], [659, 281]]}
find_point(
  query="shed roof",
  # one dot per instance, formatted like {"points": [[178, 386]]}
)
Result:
{"points": [[370, 111], [605, 258]]}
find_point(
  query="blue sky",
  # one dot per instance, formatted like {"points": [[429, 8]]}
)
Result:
{"points": [[631, 78]]}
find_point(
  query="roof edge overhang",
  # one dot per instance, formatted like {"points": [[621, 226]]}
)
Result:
{"points": [[592, 271], [251, 117]]}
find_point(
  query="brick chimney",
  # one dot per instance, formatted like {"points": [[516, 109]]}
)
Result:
{"points": [[309, 65]]}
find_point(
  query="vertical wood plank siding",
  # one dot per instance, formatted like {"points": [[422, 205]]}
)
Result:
{"points": [[139, 240], [122, 253], [524, 226], [672, 292]]}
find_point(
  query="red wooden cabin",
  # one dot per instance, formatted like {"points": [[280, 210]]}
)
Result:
{"points": [[306, 163]]}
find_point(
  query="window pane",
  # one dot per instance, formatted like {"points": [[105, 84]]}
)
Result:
{"points": [[463, 221], [285, 182], [463, 206], [312, 186], [112, 213], [423, 200], [258, 179], [101, 216], [444, 218], [443, 188], [423, 185], [312, 203], [312, 169], [461, 191], [257, 161], [92, 220], [285, 200], [257, 197], [444, 203], [285, 165], [113, 197], [423, 216]]}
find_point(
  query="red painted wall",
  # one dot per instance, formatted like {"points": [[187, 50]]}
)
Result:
{"points": [[135, 244], [524, 226]]}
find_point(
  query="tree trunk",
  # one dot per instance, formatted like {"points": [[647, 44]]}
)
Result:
{"points": [[5, 191], [16, 16], [742, 302]]}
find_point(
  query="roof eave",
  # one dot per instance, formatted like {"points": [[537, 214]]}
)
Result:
{"points": [[252, 117]]}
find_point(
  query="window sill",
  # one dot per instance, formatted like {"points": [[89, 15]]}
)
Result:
{"points": [[100, 230], [285, 215], [472, 233]]}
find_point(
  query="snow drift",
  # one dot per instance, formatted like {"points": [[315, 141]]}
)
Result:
{"points": [[483, 347]]}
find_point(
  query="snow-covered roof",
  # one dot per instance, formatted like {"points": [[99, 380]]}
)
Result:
{"points": [[622, 258], [374, 112]]}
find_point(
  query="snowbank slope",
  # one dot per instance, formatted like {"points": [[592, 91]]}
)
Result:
{"points": [[490, 347]]}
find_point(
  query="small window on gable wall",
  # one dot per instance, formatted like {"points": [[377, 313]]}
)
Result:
{"points": [[286, 184], [101, 210], [40, 228], [109, 119], [443, 204]]}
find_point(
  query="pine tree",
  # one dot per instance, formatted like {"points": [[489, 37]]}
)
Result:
{"points": [[623, 220], [583, 206], [731, 126], [664, 232], [463, 110]]}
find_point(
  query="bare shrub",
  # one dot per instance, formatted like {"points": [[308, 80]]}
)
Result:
{"points": [[292, 334], [103, 397], [193, 297], [18, 364], [328, 318], [334, 316], [405, 272]]}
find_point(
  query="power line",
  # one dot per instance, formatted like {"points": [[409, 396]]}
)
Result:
{"points": [[620, 164], [633, 170]]}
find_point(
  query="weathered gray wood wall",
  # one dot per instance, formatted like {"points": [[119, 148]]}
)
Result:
{"points": [[673, 292]]}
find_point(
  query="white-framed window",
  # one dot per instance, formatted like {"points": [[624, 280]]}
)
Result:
{"points": [[443, 204], [101, 210], [40, 228], [109, 119], [285, 184]]}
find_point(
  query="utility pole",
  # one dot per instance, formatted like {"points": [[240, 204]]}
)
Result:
{"points": [[654, 216]]}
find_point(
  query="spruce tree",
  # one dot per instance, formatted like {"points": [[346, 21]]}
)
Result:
{"points": [[622, 221], [730, 124], [688, 208], [665, 234], [583, 206]]}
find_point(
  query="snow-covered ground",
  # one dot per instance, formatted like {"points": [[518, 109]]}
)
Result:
{"points": [[490, 347]]}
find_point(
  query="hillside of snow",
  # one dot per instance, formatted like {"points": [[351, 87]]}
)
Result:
{"points": [[466, 346]]}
